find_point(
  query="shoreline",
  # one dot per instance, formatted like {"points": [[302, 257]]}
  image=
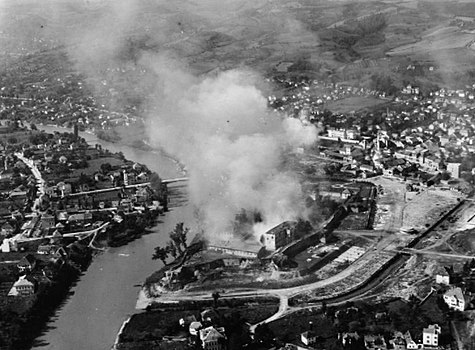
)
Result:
{"points": [[121, 330], [155, 150], [133, 254]]}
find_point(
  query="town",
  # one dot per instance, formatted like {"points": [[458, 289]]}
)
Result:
{"points": [[409, 159], [103, 241], [62, 202]]}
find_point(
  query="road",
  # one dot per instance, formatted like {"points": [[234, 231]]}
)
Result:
{"points": [[36, 173], [437, 254], [352, 293]]}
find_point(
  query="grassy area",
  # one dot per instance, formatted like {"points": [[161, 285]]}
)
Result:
{"points": [[356, 103], [94, 165]]}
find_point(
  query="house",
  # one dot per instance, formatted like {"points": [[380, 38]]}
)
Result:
{"points": [[47, 221], [25, 286], [195, 327], [346, 193], [347, 339], [308, 338], [8, 245], [213, 338], [455, 299], [375, 342], [64, 187], [454, 169], [187, 320], [7, 229], [27, 263], [46, 249], [398, 342], [442, 276], [430, 335]]}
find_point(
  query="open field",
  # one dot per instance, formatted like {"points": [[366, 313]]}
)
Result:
{"points": [[353, 104], [446, 38], [427, 206]]}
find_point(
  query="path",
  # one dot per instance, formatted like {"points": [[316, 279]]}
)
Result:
{"points": [[34, 170]]}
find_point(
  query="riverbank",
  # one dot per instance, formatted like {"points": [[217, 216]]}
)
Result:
{"points": [[29, 315], [141, 145], [104, 296]]}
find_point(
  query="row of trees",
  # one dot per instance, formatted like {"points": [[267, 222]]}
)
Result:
{"points": [[176, 246]]}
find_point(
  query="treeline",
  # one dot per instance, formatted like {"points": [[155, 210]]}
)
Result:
{"points": [[384, 83]]}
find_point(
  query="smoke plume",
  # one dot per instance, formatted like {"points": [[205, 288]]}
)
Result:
{"points": [[231, 143], [218, 125]]}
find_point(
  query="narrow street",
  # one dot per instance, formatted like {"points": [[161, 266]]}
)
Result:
{"points": [[40, 182]]}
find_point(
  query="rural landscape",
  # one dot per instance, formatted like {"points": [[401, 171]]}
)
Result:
{"points": [[235, 174]]}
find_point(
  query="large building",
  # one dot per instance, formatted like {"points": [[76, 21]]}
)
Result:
{"points": [[213, 338], [430, 336], [233, 246], [455, 299], [279, 236], [454, 170]]}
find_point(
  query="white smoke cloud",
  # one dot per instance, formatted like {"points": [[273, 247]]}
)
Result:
{"points": [[231, 143], [220, 126]]}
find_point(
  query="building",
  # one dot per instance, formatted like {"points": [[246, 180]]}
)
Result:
{"points": [[7, 229], [212, 338], [348, 339], [398, 342], [430, 335], [27, 263], [308, 338], [47, 221], [350, 134], [375, 342], [46, 249], [25, 286], [279, 236], [195, 327], [454, 170], [410, 343], [352, 254], [442, 276], [455, 299], [243, 249], [64, 188]]}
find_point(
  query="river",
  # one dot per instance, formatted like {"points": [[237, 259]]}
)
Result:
{"points": [[106, 294]]}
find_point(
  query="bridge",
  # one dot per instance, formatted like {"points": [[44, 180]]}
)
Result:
{"points": [[143, 184], [178, 179]]}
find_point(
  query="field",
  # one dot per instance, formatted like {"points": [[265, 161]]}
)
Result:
{"points": [[94, 165], [428, 204], [321, 39], [353, 104]]}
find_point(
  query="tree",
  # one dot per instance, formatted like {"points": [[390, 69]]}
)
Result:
{"points": [[264, 335], [171, 249], [105, 168], [178, 236], [215, 296], [183, 231], [161, 254]]}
